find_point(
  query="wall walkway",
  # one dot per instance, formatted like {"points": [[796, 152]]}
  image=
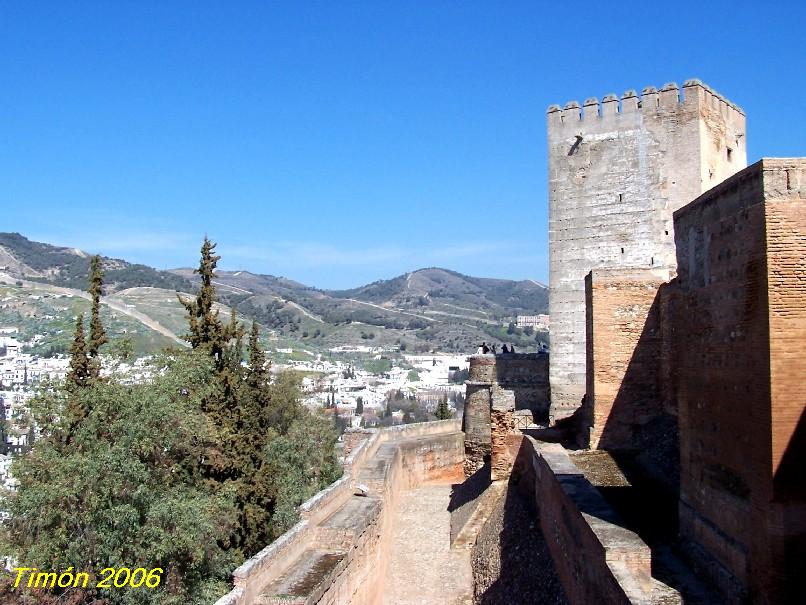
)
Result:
{"points": [[339, 551]]}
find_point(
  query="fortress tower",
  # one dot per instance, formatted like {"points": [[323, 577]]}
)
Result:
{"points": [[617, 171]]}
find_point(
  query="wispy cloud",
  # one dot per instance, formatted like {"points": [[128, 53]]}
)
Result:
{"points": [[310, 254], [317, 254], [111, 242]]}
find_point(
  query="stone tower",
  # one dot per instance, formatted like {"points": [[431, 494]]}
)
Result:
{"points": [[617, 172]]}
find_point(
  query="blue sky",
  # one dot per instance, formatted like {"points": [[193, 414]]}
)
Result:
{"points": [[341, 142]]}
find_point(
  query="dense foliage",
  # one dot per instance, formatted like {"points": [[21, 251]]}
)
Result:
{"points": [[122, 486]]}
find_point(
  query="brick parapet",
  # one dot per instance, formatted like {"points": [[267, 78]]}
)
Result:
{"points": [[514, 381]]}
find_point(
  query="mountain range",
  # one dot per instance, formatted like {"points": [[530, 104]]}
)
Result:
{"points": [[427, 309]]}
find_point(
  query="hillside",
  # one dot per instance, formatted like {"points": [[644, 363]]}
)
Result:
{"points": [[69, 267], [419, 311]]}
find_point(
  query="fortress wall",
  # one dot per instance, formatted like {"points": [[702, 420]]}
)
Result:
{"points": [[519, 378], [624, 380], [617, 172], [388, 461], [740, 390], [597, 561]]}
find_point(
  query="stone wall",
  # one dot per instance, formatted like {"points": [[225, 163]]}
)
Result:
{"points": [[617, 172], [740, 367], [596, 560], [624, 361], [517, 381], [338, 552]]}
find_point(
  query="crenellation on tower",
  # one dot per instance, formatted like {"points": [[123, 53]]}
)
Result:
{"points": [[590, 109], [669, 96], [652, 101], [609, 105]]}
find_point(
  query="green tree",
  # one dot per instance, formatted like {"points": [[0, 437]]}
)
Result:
{"points": [[359, 406], [97, 336], [124, 490], [443, 411], [206, 328], [79, 374], [303, 461], [255, 486], [123, 349]]}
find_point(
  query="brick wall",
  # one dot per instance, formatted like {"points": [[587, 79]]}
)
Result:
{"points": [[740, 364], [360, 528], [597, 561], [624, 369]]}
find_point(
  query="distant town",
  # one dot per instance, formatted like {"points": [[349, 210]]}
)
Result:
{"points": [[357, 386]]}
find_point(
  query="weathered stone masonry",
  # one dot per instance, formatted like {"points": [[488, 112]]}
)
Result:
{"points": [[497, 386], [617, 172]]}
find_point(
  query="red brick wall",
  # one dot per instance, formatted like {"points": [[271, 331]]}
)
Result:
{"points": [[740, 362], [623, 369], [786, 282]]}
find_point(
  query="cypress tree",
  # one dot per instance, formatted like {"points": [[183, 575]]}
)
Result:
{"points": [[80, 371], [256, 487], [443, 411], [206, 329], [97, 336], [258, 375]]}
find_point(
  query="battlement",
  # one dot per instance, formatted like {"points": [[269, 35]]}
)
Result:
{"points": [[670, 97]]}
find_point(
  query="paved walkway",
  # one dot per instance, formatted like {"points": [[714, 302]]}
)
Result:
{"points": [[423, 570]]}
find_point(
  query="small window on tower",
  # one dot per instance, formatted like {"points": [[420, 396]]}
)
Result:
{"points": [[730, 154]]}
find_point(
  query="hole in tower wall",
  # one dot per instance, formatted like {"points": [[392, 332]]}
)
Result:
{"points": [[622, 250], [620, 197], [729, 154]]}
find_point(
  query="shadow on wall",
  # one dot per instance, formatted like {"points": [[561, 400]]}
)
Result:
{"points": [[789, 486], [638, 421], [790, 478], [471, 488], [511, 561]]}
